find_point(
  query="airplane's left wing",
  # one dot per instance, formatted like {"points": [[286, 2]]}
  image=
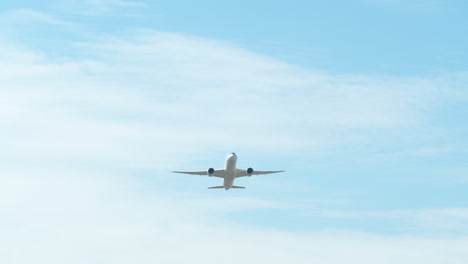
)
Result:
{"points": [[216, 173], [243, 173]]}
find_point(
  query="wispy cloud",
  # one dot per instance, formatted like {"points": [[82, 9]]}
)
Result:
{"points": [[31, 15], [427, 221], [94, 217], [77, 135], [98, 7], [181, 92]]}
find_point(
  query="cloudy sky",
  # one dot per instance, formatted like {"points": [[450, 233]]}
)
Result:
{"points": [[364, 103]]}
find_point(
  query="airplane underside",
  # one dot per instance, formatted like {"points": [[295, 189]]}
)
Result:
{"points": [[229, 173]]}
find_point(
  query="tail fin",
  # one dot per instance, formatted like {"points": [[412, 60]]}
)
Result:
{"points": [[238, 187], [216, 187]]}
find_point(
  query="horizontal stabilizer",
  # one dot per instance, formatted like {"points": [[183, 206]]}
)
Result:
{"points": [[216, 187], [238, 187]]}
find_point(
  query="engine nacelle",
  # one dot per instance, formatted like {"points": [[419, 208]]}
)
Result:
{"points": [[250, 171], [210, 172]]}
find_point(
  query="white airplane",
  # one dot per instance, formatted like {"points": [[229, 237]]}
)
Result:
{"points": [[229, 173]]}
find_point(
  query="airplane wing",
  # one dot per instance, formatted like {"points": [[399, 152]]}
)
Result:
{"points": [[243, 173], [217, 173]]}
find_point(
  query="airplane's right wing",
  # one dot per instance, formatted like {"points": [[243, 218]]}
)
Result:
{"points": [[216, 173], [243, 173]]}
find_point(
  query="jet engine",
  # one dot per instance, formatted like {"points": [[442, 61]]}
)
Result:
{"points": [[210, 172], [250, 172]]}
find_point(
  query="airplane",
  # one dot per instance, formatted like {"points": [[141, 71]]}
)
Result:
{"points": [[229, 173]]}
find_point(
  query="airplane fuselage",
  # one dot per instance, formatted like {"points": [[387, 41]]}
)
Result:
{"points": [[231, 171]]}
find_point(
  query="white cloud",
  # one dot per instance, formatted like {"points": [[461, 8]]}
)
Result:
{"points": [[24, 18], [177, 92], [427, 221], [88, 216], [75, 133]]}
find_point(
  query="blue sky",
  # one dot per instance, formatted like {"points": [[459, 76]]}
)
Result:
{"points": [[363, 103]]}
